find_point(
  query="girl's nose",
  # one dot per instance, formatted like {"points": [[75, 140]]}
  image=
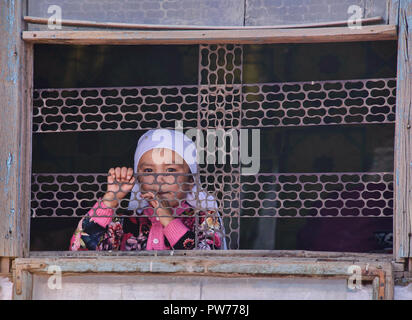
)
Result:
{"points": [[160, 178], [166, 179]]}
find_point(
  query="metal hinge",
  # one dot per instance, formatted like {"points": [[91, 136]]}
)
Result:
{"points": [[18, 271], [378, 275]]}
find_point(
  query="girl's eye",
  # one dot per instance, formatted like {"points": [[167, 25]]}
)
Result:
{"points": [[147, 170], [170, 169]]}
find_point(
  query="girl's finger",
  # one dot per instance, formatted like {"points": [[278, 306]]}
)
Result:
{"points": [[154, 203], [117, 173], [129, 173], [165, 204], [147, 195], [110, 177], [123, 173]]}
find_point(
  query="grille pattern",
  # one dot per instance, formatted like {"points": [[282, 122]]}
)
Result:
{"points": [[319, 103], [220, 99], [263, 195], [318, 195], [220, 105], [92, 109]]}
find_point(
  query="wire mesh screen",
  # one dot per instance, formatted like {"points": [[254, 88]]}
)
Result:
{"points": [[221, 101]]}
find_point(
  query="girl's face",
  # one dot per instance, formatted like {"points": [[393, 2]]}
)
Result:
{"points": [[164, 186]]}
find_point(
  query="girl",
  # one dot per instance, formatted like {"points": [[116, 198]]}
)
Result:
{"points": [[167, 195]]}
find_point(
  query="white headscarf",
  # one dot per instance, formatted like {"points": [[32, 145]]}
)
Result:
{"points": [[176, 141]]}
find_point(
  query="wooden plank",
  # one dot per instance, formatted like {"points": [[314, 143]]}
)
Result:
{"points": [[120, 25], [216, 267], [389, 282], [196, 265], [5, 265], [403, 141], [313, 35], [393, 12], [15, 87], [292, 254], [398, 267]]}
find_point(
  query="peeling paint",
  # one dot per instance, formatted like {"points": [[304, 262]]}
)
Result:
{"points": [[409, 21], [8, 167], [400, 251], [11, 220], [12, 62], [17, 230], [13, 66]]}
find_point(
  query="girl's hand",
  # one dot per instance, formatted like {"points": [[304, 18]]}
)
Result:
{"points": [[120, 182], [162, 211]]}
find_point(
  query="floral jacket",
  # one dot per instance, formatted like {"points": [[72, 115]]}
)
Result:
{"points": [[99, 230]]}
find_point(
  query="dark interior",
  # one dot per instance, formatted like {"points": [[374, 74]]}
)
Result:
{"points": [[310, 149]]}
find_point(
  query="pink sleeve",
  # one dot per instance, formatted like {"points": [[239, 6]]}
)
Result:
{"points": [[174, 231], [101, 214]]}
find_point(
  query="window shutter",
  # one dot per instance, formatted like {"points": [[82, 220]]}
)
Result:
{"points": [[403, 141], [15, 106]]}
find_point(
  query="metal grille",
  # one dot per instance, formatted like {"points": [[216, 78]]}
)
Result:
{"points": [[91, 109], [221, 100], [318, 195], [263, 195], [319, 103], [220, 105]]}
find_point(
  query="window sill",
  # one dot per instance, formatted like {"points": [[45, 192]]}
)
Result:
{"points": [[232, 263], [306, 263]]}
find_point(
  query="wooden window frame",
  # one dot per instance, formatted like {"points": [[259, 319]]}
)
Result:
{"points": [[235, 36]]}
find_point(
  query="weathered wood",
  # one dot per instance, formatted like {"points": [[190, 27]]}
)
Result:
{"points": [[299, 254], [375, 292], [15, 106], [312, 35], [389, 282], [198, 265], [215, 267], [393, 12], [5, 265], [398, 267], [403, 141], [119, 25]]}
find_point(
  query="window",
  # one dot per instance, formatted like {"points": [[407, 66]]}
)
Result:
{"points": [[324, 113]]}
